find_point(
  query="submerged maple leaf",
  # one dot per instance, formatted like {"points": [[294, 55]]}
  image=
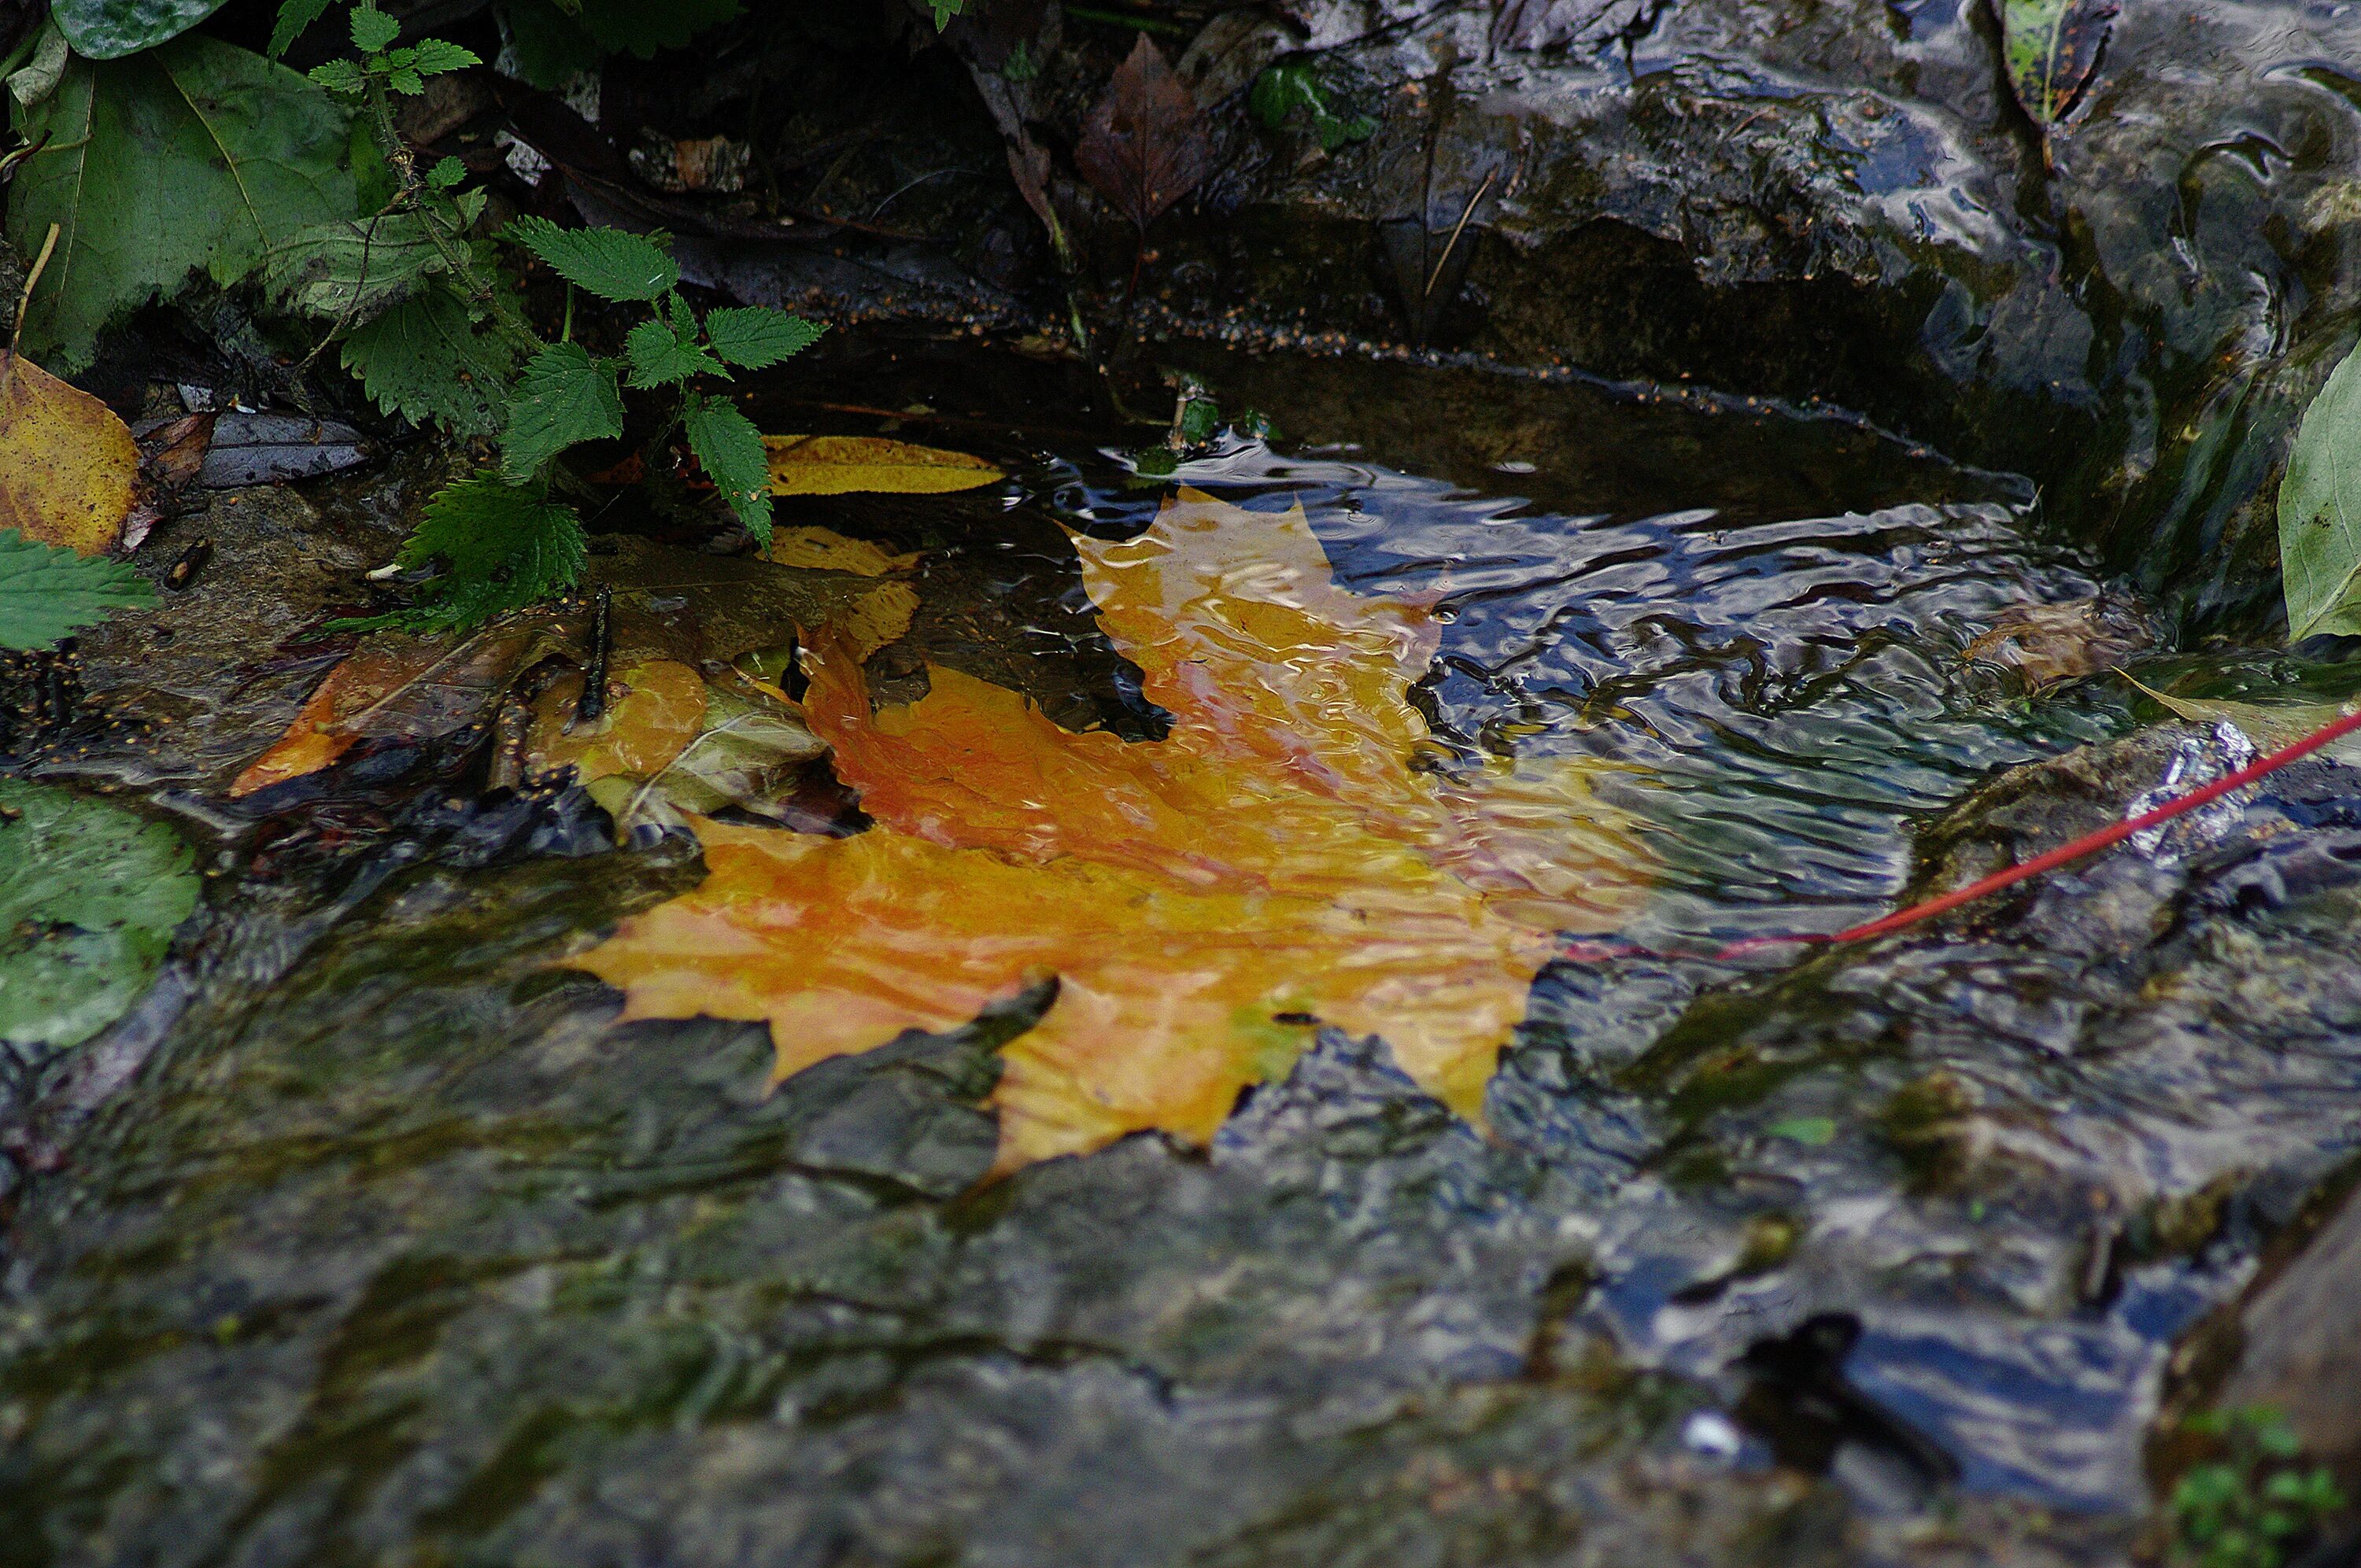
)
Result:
{"points": [[1278, 861]]}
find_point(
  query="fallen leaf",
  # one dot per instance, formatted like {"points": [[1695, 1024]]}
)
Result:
{"points": [[2046, 643], [1277, 860], [752, 754], [825, 550], [2052, 49], [402, 686], [660, 710], [841, 464], [2271, 727], [68, 467], [1145, 146], [2320, 512], [267, 449]]}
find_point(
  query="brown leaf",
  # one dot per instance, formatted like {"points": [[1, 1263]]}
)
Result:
{"points": [[1145, 146], [399, 686]]}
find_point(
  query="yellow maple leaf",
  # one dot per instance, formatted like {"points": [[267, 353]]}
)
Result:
{"points": [[1279, 859]]}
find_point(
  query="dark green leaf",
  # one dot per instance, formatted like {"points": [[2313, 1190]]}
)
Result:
{"points": [[2052, 47], [294, 15], [730, 449], [48, 593], [195, 156], [501, 548], [446, 174], [549, 46], [2320, 512], [437, 56], [109, 30], [608, 263], [90, 894], [339, 76], [757, 338], [424, 359], [373, 30], [563, 397], [662, 356]]}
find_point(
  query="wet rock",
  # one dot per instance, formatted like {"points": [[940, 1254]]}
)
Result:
{"points": [[1806, 199], [2302, 1344]]}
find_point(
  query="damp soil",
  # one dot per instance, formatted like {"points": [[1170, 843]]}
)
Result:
{"points": [[372, 1237]]}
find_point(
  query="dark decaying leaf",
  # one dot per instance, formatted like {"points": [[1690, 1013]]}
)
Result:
{"points": [[398, 686], [1145, 146], [2052, 47], [266, 449]]}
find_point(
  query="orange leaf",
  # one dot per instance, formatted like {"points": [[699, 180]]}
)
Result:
{"points": [[1276, 859], [68, 467], [396, 685], [660, 710]]}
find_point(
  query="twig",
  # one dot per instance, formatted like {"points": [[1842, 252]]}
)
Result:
{"points": [[1465, 213], [24, 303]]}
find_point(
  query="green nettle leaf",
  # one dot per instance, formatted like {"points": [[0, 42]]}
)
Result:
{"points": [[446, 174], [2052, 49], [194, 156], [47, 594], [661, 356], [427, 359], [373, 30], [2320, 512], [294, 17], [637, 28], [563, 397], [500, 547], [340, 76], [351, 272], [109, 30], [90, 894], [609, 263], [756, 338], [731, 450], [436, 57]]}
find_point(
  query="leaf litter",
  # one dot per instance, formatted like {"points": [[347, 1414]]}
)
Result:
{"points": [[1293, 854]]}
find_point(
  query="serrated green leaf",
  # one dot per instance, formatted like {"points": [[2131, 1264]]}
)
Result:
{"points": [[294, 17], [731, 450], [446, 174], [563, 397], [109, 30], [437, 56], [373, 30], [662, 356], [338, 76], [609, 263], [193, 157], [2320, 512], [425, 360], [47, 594], [500, 547], [351, 272], [406, 82], [756, 338], [89, 896]]}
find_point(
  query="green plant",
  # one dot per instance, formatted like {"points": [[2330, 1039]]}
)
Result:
{"points": [[47, 594], [2245, 1508], [418, 305], [1290, 88]]}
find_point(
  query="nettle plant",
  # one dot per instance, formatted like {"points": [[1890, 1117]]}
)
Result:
{"points": [[443, 341]]}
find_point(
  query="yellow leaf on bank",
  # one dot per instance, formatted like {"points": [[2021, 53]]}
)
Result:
{"points": [[841, 465], [1278, 858], [825, 550], [68, 467]]}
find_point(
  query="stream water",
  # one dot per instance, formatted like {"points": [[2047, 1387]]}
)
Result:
{"points": [[397, 1247]]}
